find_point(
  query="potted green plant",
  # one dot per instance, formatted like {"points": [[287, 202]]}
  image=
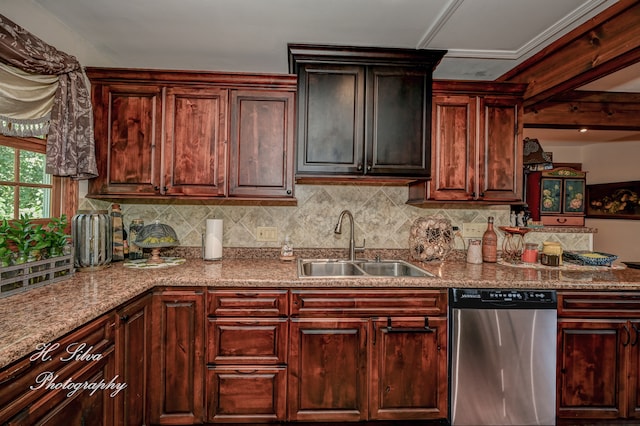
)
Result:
{"points": [[5, 252], [56, 237]]}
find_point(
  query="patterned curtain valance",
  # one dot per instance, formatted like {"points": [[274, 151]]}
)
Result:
{"points": [[70, 143]]}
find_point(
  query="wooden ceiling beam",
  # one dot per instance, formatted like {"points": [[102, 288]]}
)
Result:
{"points": [[603, 45], [593, 110]]}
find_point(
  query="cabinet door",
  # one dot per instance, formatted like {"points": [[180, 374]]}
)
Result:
{"points": [[398, 122], [132, 360], [246, 394], [262, 138], [453, 148], [634, 370], [330, 119], [176, 390], [128, 120], [591, 362], [408, 368], [328, 370], [195, 141], [500, 153]]}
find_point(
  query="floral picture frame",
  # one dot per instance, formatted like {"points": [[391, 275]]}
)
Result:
{"points": [[617, 200]]}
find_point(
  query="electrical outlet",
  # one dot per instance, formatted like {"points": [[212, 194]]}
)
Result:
{"points": [[266, 233], [473, 230]]}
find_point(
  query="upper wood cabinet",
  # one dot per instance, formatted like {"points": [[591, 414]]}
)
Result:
{"points": [[262, 138], [179, 134], [195, 141], [476, 144], [363, 112]]}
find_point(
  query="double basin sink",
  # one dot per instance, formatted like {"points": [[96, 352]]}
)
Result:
{"points": [[334, 268]]}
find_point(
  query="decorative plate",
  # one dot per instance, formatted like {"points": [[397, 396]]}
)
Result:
{"points": [[589, 258]]}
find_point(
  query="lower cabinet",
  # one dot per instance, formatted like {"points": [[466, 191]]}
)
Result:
{"points": [[31, 390], [598, 355], [328, 377], [369, 355], [194, 355], [247, 337], [408, 368], [176, 376], [133, 343]]}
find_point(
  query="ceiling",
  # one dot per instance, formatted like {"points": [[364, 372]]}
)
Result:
{"points": [[484, 38]]}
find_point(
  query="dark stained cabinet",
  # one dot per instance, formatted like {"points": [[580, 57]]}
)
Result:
{"points": [[408, 368], [476, 143], [363, 112], [195, 141], [128, 133], [598, 355], [370, 355], [247, 339], [176, 381], [262, 138], [193, 135], [86, 355], [133, 349], [328, 370]]}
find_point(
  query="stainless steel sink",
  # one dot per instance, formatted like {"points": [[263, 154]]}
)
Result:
{"points": [[327, 268], [346, 268]]}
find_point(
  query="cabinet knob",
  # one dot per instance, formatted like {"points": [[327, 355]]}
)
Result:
{"points": [[288, 192], [124, 318], [368, 167], [359, 167]]}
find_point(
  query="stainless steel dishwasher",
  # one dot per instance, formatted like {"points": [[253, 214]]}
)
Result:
{"points": [[502, 357]]}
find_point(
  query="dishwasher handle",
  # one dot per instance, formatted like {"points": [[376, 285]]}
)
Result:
{"points": [[425, 329]]}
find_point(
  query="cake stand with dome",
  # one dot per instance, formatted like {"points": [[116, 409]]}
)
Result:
{"points": [[156, 237]]}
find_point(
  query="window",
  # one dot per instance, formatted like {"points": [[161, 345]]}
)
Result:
{"points": [[25, 187]]}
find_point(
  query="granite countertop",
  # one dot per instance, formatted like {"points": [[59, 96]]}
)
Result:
{"points": [[47, 313]]}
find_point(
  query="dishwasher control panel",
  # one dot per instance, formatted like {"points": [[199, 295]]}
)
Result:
{"points": [[502, 298]]}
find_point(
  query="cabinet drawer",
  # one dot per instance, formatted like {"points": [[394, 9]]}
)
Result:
{"points": [[599, 304], [372, 302], [253, 303], [246, 394], [247, 341], [562, 220]]}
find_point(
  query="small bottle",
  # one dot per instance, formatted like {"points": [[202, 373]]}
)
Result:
{"points": [[135, 251], [490, 243], [118, 234], [287, 248]]}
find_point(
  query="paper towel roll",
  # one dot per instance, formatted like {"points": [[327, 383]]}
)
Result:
{"points": [[213, 239]]}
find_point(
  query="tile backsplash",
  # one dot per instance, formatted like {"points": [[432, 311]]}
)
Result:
{"points": [[380, 214]]}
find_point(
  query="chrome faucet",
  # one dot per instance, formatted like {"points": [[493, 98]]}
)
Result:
{"points": [[352, 242]]}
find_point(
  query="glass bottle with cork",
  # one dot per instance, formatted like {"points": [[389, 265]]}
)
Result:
{"points": [[490, 243]]}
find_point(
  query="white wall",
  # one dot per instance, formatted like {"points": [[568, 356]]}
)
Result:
{"points": [[605, 163], [42, 24]]}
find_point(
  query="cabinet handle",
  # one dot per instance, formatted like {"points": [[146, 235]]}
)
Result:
{"points": [[425, 329], [368, 167], [246, 371], [561, 219], [626, 329], [359, 167], [635, 328], [124, 318]]}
